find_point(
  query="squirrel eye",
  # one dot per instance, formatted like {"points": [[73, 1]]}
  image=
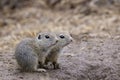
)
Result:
{"points": [[46, 36], [61, 36], [39, 37]]}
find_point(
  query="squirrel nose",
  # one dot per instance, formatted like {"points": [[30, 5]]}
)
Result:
{"points": [[71, 39], [56, 41]]}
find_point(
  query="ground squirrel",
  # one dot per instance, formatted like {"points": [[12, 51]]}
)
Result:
{"points": [[30, 51], [63, 40]]}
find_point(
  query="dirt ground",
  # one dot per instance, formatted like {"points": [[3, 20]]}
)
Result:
{"points": [[93, 55]]}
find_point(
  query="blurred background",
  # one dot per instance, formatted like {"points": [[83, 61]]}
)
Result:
{"points": [[89, 18]]}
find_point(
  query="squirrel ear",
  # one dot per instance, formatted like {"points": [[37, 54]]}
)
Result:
{"points": [[39, 37]]}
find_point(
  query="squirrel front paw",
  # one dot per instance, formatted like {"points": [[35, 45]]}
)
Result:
{"points": [[56, 65]]}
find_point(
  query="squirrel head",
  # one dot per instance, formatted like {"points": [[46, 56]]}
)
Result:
{"points": [[63, 39], [46, 39]]}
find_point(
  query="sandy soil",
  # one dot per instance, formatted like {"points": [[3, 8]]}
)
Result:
{"points": [[95, 59], [94, 54]]}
